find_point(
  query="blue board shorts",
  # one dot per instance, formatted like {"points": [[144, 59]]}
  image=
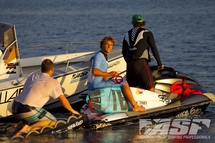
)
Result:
{"points": [[107, 83], [30, 114]]}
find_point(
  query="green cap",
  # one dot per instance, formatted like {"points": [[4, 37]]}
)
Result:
{"points": [[137, 18]]}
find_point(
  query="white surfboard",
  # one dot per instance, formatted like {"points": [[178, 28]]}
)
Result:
{"points": [[147, 99]]}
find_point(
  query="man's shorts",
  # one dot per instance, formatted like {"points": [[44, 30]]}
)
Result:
{"points": [[116, 81], [30, 114]]}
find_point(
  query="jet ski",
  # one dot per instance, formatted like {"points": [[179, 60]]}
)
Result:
{"points": [[177, 95]]}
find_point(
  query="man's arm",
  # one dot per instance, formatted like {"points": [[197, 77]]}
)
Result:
{"points": [[106, 75], [124, 52], [66, 104], [154, 49]]}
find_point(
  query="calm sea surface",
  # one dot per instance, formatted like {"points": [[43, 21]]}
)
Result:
{"points": [[184, 32]]}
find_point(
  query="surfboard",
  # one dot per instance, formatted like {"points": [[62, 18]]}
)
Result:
{"points": [[112, 100]]}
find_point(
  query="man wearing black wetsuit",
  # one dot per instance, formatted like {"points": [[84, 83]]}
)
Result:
{"points": [[135, 51]]}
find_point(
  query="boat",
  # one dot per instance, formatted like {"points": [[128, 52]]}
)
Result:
{"points": [[182, 96], [178, 94], [71, 67]]}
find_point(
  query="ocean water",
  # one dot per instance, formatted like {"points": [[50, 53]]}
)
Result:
{"points": [[183, 30]]}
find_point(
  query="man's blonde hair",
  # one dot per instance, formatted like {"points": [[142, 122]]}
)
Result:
{"points": [[107, 38]]}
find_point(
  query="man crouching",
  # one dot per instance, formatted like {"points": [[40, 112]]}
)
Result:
{"points": [[28, 105]]}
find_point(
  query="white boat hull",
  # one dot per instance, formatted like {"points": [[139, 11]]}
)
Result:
{"points": [[70, 69]]}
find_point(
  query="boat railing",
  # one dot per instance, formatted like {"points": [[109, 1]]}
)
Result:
{"points": [[67, 49], [69, 45], [76, 47], [14, 58]]}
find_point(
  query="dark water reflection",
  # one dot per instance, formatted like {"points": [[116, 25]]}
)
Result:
{"points": [[125, 133]]}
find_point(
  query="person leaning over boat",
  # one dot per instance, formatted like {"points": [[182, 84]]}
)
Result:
{"points": [[135, 50], [38, 88], [99, 77]]}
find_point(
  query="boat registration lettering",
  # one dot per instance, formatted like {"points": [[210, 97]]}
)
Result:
{"points": [[79, 76], [113, 64], [8, 95]]}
